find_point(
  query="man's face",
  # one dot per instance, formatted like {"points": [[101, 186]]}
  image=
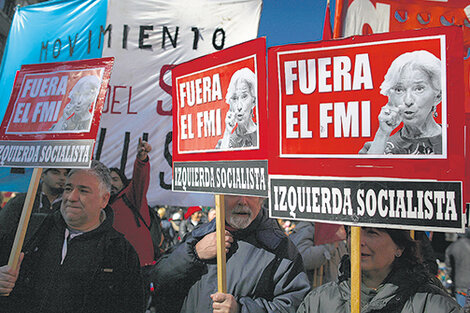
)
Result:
{"points": [[54, 178], [83, 201], [116, 183], [240, 211]]}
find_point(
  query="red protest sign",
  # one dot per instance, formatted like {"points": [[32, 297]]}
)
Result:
{"points": [[219, 122], [204, 130], [376, 16], [333, 95], [54, 113], [369, 130]]}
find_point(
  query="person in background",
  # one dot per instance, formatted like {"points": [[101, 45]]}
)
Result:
{"points": [[129, 202], [264, 269], [169, 234], [394, 279], [458, 266], [466, 308], [74, 260], [322, 260], [192, 219], [211, 214], [175, 221], [47, 198]]}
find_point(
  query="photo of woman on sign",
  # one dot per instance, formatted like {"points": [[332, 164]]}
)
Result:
{"points": [[242, 98], [413, 87], [77, 115]]}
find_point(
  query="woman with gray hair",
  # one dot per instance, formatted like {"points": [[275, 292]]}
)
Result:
{"points": [[413, 87], [77, 115], [242, 98]]}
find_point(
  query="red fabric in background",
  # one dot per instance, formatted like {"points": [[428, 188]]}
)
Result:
{"points": [[327, 31], [328, 233]]}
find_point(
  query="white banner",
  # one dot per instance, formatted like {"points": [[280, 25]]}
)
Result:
{"points": [[147, 37]]}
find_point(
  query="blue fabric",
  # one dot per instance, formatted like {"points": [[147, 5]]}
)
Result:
{"points": [[46, 23], [65, 23]]}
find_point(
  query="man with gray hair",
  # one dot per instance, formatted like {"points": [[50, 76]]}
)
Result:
{"points": [[264, 269], [74, 260]]}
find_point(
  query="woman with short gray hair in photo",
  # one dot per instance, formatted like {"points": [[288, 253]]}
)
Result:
{"points": [[413, 87]]}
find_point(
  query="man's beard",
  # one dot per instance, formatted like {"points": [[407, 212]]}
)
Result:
{"points": [[240, 221]]}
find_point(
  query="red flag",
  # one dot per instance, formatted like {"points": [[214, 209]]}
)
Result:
{"points": [[328, 233], [327, 31]]}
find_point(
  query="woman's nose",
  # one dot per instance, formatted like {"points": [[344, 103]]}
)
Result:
{"points": [[408, 99]]}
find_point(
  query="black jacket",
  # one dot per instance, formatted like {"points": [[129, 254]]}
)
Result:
{"points": [[264, 272], [100, 273]]}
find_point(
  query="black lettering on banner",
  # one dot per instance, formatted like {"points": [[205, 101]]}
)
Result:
{"points": [[56, 49], [143, 35], [43, 48], [169, 159], [125, 32], [72, 46], [214, 37], [125, 151], [218, 39], [89, 41], [103, 32], [173, 40], [99, 147], [196, 37]]}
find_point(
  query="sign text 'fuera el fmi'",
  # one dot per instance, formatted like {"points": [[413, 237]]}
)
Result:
{"points": [[385, 108], [53, 115], [219, 118]]}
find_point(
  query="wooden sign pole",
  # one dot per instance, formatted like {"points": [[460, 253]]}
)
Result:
{"points": [[355, 269], [220, 233], [24, 219]]}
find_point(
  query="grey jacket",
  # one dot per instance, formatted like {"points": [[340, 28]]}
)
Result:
{"points": [[328, 255], [264, 272], [458, 262], [388, 298]]}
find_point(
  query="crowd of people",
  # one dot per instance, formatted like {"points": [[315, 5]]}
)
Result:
{"points": [[94, 245]]}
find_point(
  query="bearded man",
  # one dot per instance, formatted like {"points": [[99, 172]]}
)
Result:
{"points": [[264, 269]]}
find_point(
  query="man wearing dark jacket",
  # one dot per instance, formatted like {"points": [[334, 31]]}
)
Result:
{"points": [[74, 260], [47, 198], [264, 269]]}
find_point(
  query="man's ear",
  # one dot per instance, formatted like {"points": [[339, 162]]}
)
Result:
{"points": [[105, 199]]}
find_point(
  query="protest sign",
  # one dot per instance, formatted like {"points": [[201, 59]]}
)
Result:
{"points": [[363, 17], [425, 205], [332, 102], [147, 39], [53, 115], [219, 118]]}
